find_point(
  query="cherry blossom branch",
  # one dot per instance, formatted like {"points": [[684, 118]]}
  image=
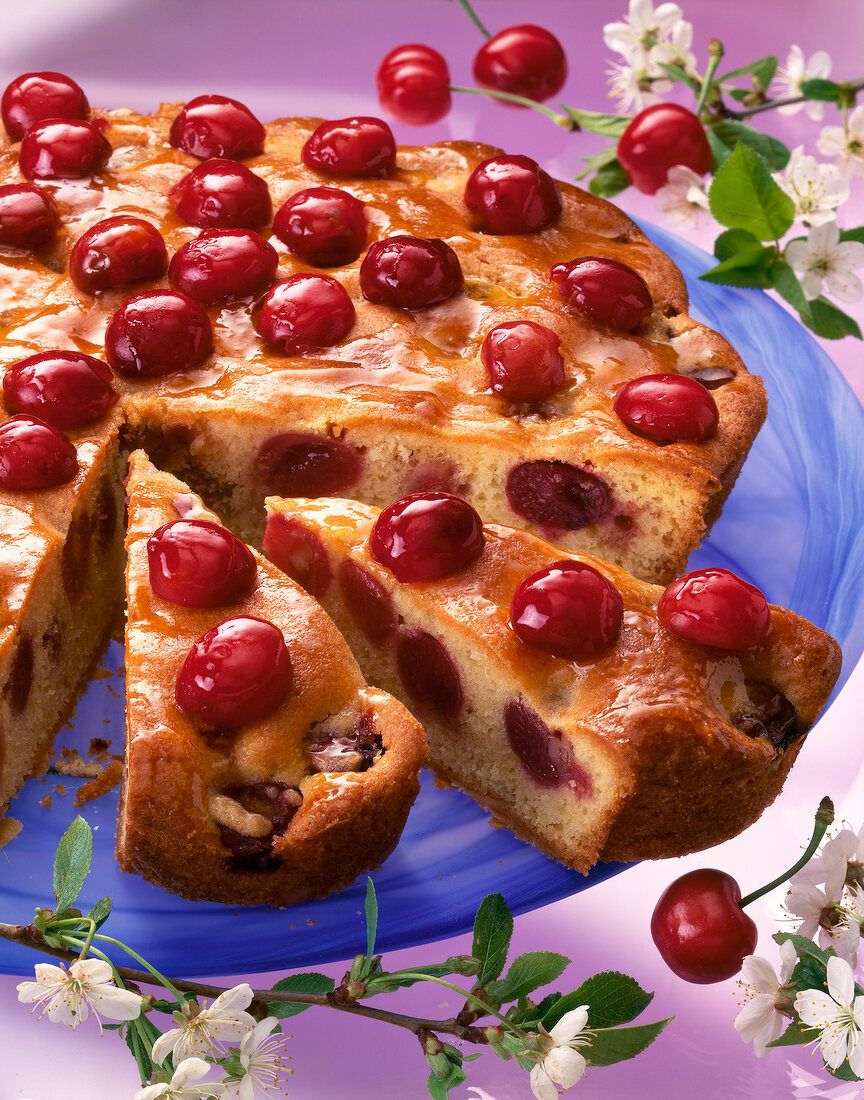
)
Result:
{"points": [[770, 104]]}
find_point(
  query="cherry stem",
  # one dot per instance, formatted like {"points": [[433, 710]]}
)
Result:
{"points": [[715, 57], [824, 817], [559, 119], [474, 17]]}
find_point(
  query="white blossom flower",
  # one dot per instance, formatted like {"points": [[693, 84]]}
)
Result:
{"points": [[839, 1015], [628, 84], [563, 1065], [647, 39], [845, 144], [816, 189], [69, 996], [833, 864], [225, 1021], [789, 78], [178, 1088], [683, 197], [846, 936], [822, 257], [760, 1021], [816, 908], [261, 1061]]}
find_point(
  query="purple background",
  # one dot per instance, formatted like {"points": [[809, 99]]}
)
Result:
{"points": [[308, 57]]}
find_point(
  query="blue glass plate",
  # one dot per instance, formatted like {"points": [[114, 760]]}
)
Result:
{"points": [[793, 526]]}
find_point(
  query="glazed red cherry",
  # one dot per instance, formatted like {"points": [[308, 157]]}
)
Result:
{"points": [[307, 464], [33, 455], [216, 126], [235, 674], [299, 552], [699, 928], [224, 264], [66, 389], [195, 563], [414, 85], [606, 291], [306, 312], [656, 140], [567, 609], [522, 361], [33, 97], [222, 194], [668, 408], [715, 607], [410, 272], [357, 146], [115, 251], [28, 216], [524, 60], [426, 536], [512, 194], [158, 333], [324, 226], [63, 149]]}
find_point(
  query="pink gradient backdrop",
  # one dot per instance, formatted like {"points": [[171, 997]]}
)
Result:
{"points": [[316, 58]]}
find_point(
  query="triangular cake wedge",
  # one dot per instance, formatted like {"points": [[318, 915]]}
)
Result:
{"points": [[290, 806], [636, 753], [61, 592]]}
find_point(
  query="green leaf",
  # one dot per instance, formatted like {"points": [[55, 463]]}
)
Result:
{"points": [[140, 1046], [826, 90], [371, 907], [310, 982], [762, 70], [794, 1035], [831, 323], [612, 998], [620, 1043], [843, 1072], [786, 283], [72, 863], [101, 911], [856, 234], [598, 160], [439, 1087], [493, 927], [611, 180], [681, 76], [719, 150], [743, 269], [773, 152], [598, 123], [528, 972], [744, 196], [732, 241], [447, 1072]]}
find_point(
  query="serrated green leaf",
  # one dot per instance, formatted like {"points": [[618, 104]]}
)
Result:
{"points": [[597, 123], [620, 1043], [493, 928], [744, 196], [598, 160], [831, 323], [371, 908], [527, 973], [794, 1035], [843, 1072], [720, 152], [763, 70], [825, 90], [72, 863], [311, 982], [856, 234], [747, 269], [101, 911], [612, 998], [681, 76], [773, 152], [611, 180], [732, 241], [140, 1049], [786, 283]]}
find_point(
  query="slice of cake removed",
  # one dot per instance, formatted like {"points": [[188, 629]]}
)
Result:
{"points": [[653, 745], [260, 767]]}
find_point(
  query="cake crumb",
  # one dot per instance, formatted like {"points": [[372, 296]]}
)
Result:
{"points": [[107, 779], [46, 800], [9, 829]]}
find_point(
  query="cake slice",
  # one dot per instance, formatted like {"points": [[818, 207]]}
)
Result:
{"points": [[260, 767], [633, 742]]}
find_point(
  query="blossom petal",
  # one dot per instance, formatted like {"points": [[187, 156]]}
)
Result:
{"points": [[565, 1065], [151, 1092], [66, 1007], [759, 973], [832, 1043], [165, 1044], [190, 1069], [788, 960], [541, 1084], [815, 1009], [570, 1024], [92, 972], [755, 1017], [841, 981]]}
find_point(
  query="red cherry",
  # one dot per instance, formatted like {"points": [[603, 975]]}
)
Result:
{"points": [[196, 563], [65, 149], [299, 552], [607, 291], [699, 928], [28, 216], [306, 312], [115, 251], [715, 607], [512, 195], [216, 126], [33, 97], [357, 146], [567, 609], [429, 675], [410, 272], [306, 464], [426, 536], [235, 674], [554, 495], [668, 408], [324, 226], [524, 60], [158, 333], [656, 140], [367, 601], [224, 264], [523, 361], [66, 389], [414, 85], [546, 756], [33, 455], [222, 194]]}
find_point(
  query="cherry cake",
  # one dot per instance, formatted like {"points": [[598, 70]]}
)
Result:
{"points": [[260, 766], [595, 715]]}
